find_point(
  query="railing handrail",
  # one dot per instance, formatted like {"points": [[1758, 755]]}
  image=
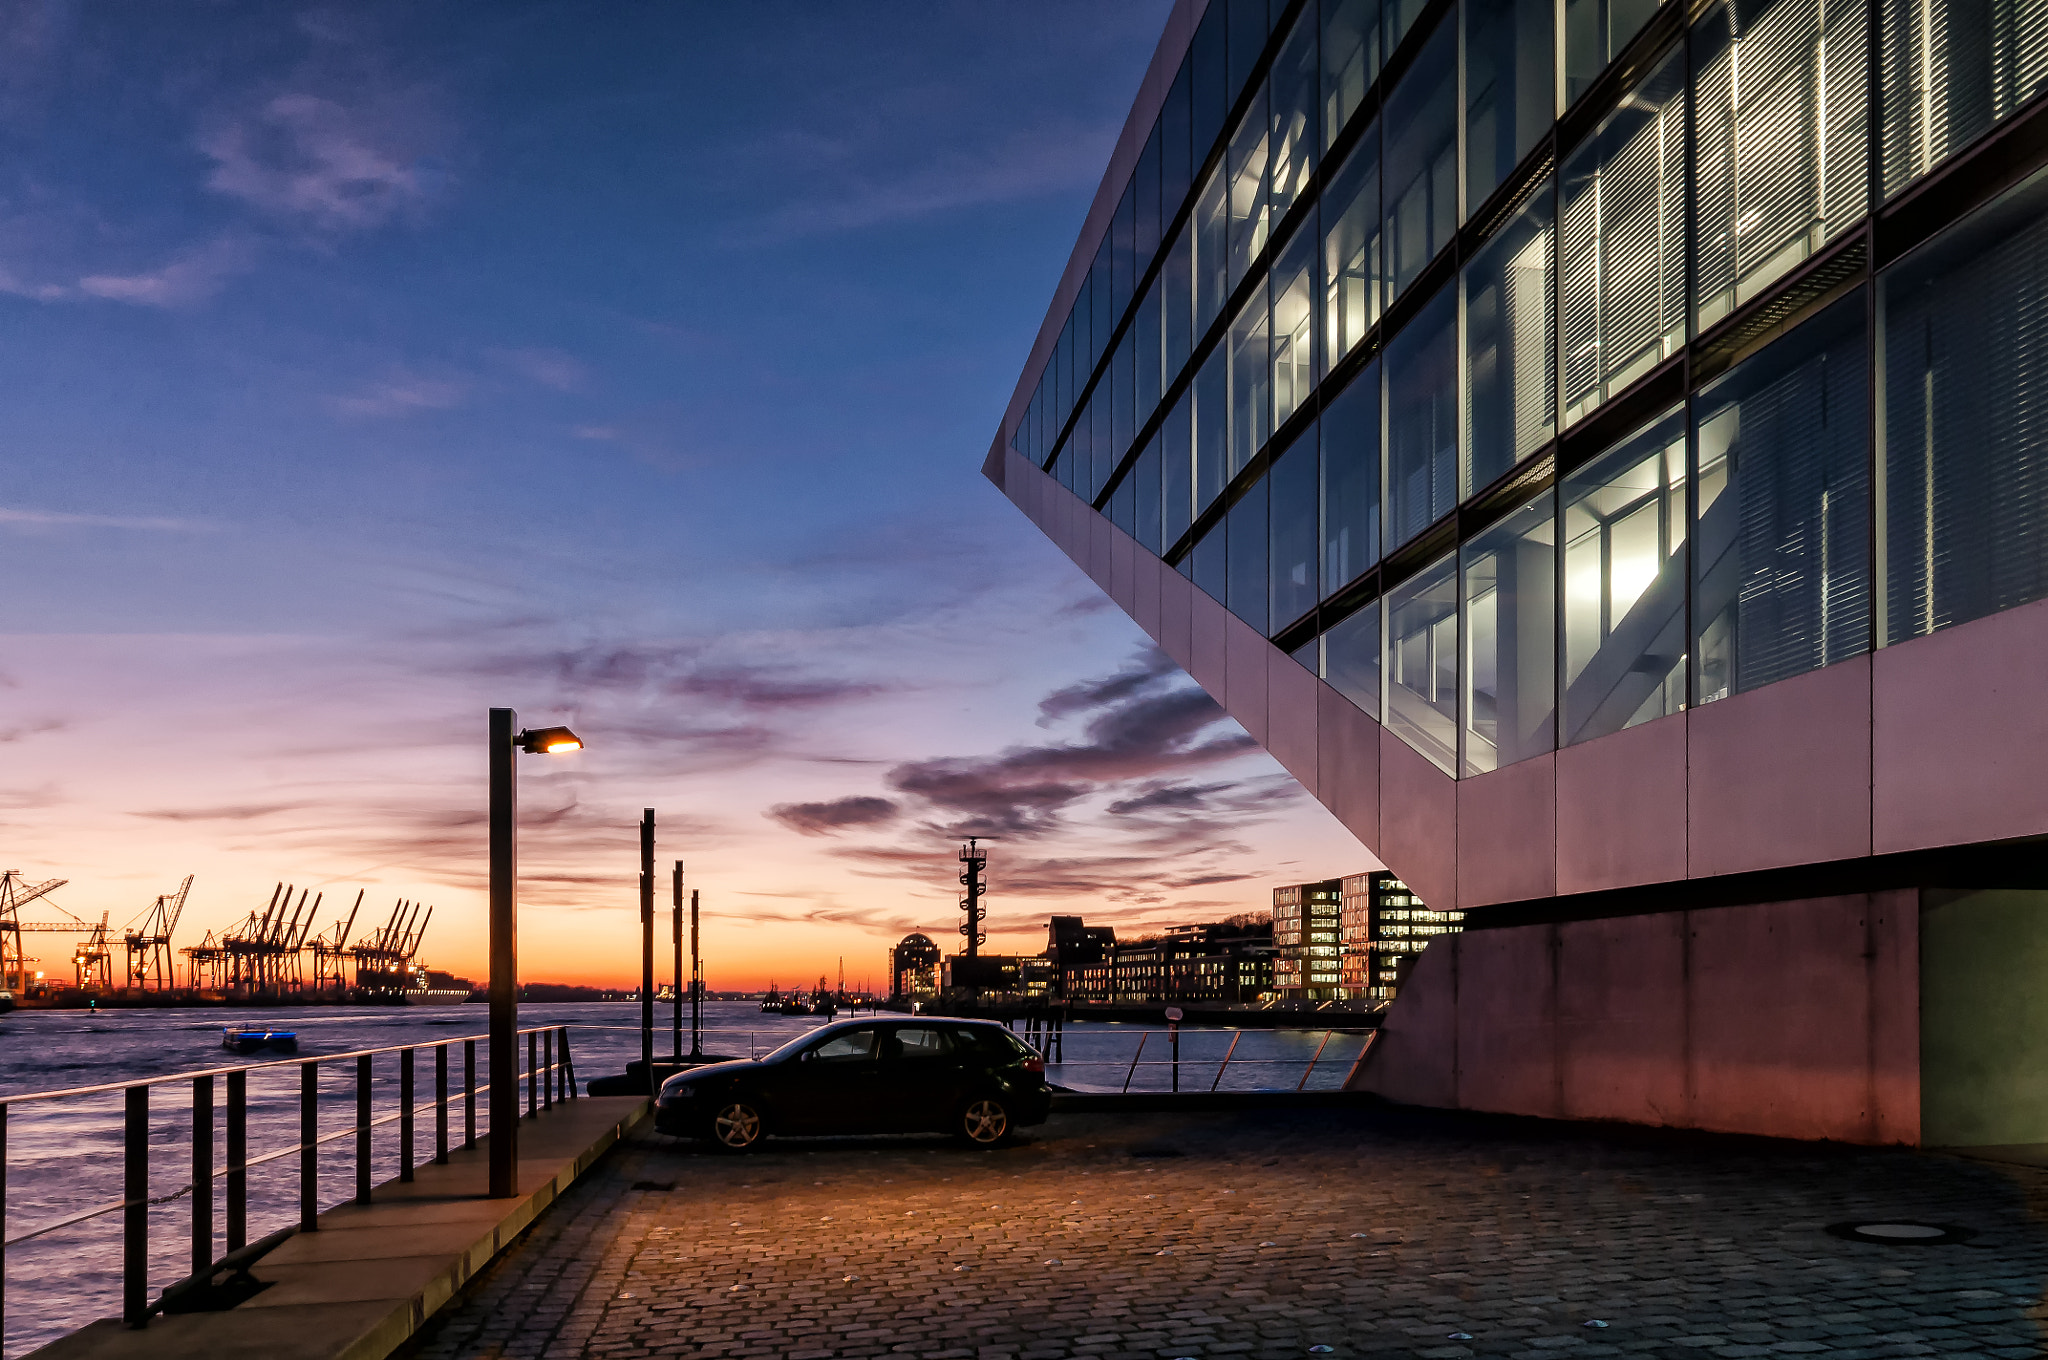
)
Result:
{"points": [[250, 1067]]}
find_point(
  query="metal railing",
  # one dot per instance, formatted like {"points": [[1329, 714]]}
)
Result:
{"points": [[549, 1075], [1173, 1060]]}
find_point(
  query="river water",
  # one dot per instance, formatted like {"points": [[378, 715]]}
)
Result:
{"points": [[63, 1157]]}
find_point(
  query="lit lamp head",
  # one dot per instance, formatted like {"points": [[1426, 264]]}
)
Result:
{"points": [[548, 741]]}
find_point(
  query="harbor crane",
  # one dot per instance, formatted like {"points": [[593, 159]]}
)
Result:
{"points": [[92, 961], [149, 949], [384, 958], [17, 892], [262, 954], [331, 954]]}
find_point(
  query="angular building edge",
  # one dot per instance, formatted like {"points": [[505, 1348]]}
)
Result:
{"points": [[1755, 1009]]}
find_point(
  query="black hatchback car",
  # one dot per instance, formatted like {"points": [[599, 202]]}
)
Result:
{"points": [[970, 1078]]}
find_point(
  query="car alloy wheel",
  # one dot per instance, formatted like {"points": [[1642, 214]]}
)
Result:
{"points": [[984, 1122], [737, 1126]]}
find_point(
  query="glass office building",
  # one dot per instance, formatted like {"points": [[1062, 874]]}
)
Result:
{"points": [[1600, 447]]}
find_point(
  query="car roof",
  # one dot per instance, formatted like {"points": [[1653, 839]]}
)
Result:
{"points": [[956, 1022]]}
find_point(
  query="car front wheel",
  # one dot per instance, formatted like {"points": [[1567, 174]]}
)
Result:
{"points": [[736, 1127], [985, 1121]]}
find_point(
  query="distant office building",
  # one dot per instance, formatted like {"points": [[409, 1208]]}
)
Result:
{"points": [[914, 969], [1072, 945], [1307, 948], [1383, 922], [1227, 963], [1598, 449], [1023, 977]]}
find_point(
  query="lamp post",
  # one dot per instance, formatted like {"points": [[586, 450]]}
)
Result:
{"points": [[507, 742]]}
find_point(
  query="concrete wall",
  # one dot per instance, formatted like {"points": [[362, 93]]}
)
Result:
{"points": [[1789, 1019], [1984, 1017]]}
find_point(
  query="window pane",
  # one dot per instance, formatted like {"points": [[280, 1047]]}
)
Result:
{"points": [[1212, 249], [1251, 392], [1176, 472], [1063, 376], [1123, 246], [1293, 480], [1951, 70], [1212, 87], [1510, 396], [1779, 106], [1309, 656], [1965, 460], [1422, 161], [1351, 249], [1510, 87], [1146, 511], [1102, 314], [1351, 60], [1351, 482], [1148, 350], [1594, 32], [1246, 546], [1782, 567], [1103, 437], [1177, 303], [1621, 276], [1247, 39], [1176, 170], [1422, 421], [1351, 658], [1401, 16], [1123, 506], [1081, 452], [1212, 424], [1422, 663], [1148, 202], [1248, 155], [1511, 639], [1208, 566], [1294, 322], [1123, 372], [1624, 583], [1295, 97]]}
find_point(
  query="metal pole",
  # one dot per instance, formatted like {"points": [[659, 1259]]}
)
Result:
{"points": [[696, 984], [309, 1147], [532, 1073], [568, 1066], [238, 1160], [363, 1076], [405, 1114], [547, 1067], [504, 957], [676, 929], [135, 1208], [441, 1103], [202, 1173], [469, 1093], [1173, 1037], [1143, 1035], [1239, 1034], [647, 946], [1303, 1085]]}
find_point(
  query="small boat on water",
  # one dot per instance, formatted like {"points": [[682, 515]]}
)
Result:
{"points": [[256, 1038]]}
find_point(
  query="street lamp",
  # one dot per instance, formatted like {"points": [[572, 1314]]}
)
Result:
{"points": [[508, 741]]}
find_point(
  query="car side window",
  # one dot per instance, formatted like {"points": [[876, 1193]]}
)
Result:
{"points": [[924, 1043], [854, 1045]]}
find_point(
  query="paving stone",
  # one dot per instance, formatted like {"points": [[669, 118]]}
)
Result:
{"points": [[1688, 1246]]}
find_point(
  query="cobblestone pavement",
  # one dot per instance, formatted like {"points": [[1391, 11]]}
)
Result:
{"points": [[1371, 1233]]}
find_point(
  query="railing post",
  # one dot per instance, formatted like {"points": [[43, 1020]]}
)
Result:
{"points": [[469, 1093], [1143, 1035], [363, 1076], [1225, 1067], [547, 1045], [405, 1101], [238, 1160], [1303, 1085], [568, 1066], [309, 1147], [202, 1173], [1359, 1061], [135, 1208], [532, 1076], [3, 1219], [441, 1104]]}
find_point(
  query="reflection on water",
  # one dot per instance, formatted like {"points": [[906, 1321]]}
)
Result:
{"points": [[64, 1157]]}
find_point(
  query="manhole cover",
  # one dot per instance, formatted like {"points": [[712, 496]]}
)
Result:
{"points": [[1900, 1233]]}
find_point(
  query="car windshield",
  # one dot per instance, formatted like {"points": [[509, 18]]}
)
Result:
{"points": [[847, 1043]]}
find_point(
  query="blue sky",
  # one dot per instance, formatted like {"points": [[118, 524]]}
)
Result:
{"points": [[366, 365]]}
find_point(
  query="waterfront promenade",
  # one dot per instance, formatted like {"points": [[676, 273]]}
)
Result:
{"points": [[1266, 1234]]}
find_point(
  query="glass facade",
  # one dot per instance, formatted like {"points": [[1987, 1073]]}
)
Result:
{"points": [[1526, 397]]}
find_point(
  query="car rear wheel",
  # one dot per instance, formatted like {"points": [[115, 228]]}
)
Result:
{"points": [[736, 1127], [985, 1121]]}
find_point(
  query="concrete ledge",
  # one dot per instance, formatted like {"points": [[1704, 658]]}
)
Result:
{"points": [[1135, 1102], [373, 1274]]}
